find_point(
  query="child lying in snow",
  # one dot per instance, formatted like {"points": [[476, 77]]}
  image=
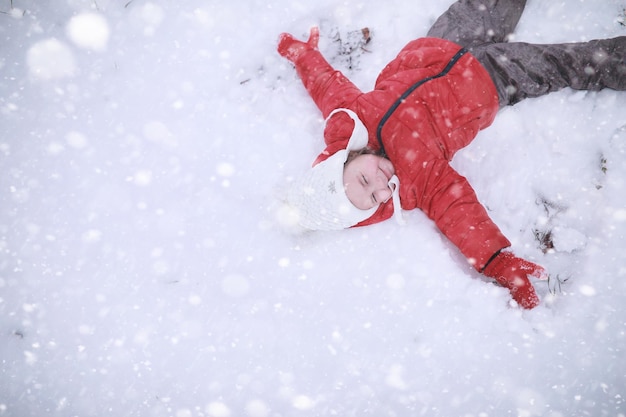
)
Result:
{"points": [[390, 148]]}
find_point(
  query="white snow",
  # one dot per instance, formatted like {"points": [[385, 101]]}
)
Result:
{"points": [[143, 145], [88, 30], [49, 59]]}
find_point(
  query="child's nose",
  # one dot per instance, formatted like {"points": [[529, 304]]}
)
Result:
{"points": [[383, 194]]}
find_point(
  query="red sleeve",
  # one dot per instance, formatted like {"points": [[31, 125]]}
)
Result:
{"points": [[450, 201], [328, 88]]}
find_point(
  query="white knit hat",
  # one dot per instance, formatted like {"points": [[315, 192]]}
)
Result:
{"points": [[317, 200]]}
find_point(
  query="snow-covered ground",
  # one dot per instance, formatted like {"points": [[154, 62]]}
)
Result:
{"points": [[141, 272]]}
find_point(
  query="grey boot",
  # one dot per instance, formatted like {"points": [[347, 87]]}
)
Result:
{"points": [[474, 22]]}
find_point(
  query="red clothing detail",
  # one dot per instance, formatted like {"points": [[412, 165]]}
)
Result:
{"points": [[421, 137]]}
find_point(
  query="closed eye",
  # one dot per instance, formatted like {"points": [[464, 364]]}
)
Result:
{"points": [[364, 179]]}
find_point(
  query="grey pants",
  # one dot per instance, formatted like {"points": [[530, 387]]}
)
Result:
{"points": [[520, 70]]}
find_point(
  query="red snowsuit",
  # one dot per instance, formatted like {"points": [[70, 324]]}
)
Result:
{"points": [[421, 136]]}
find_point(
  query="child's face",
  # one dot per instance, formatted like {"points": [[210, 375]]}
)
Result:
{"points": [[366, 179]]}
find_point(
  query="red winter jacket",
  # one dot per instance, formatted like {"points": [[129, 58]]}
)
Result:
{"points": [[438, 118]]}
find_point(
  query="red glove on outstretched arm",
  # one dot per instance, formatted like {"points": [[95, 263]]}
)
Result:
{"points": [[512, 272], [291, 48]]}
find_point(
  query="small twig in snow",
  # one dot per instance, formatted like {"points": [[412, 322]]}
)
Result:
{"points": [[553, 286]]}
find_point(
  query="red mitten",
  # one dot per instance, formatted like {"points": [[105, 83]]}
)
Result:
{"points": [[291, 48], [512, 272]]}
